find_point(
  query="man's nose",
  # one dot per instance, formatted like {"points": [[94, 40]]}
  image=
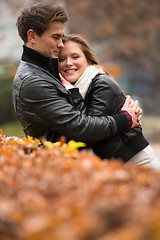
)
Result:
{"points": [[60, 43]]}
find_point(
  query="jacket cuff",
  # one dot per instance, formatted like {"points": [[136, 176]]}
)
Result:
{"points": [[121, 121], [75, 94], [129, 118], [69, 86]]}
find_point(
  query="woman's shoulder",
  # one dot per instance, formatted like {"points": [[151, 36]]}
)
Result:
{"points": [[106, 80]]}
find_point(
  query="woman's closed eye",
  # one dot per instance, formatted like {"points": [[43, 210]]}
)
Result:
{"points": [[75, 57], [61, 59]]}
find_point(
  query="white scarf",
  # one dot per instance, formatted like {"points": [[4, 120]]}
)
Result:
{"points": [[86, 78]]}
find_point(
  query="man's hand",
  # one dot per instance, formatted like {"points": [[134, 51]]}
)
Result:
{"points": [[132, 107]]}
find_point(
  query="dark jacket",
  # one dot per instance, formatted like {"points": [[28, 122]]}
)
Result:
{"points": [[105, 97], [45, 108]]}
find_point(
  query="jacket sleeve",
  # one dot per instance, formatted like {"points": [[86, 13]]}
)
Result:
{"points": [[104, 97], [47, 105], [77, 99]]}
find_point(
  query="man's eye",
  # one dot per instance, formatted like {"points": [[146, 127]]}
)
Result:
{"points": [[56, 37]]}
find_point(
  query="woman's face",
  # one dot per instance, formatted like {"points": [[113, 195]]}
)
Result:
{"points": [[72, 61]]}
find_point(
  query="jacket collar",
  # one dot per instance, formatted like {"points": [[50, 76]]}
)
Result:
{"points": [[47, 63]]}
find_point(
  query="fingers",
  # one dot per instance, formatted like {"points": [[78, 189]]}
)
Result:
{"points": [[63, 80], [136, 124], [136, 105], [140, 124], [136, 120], [131, 103], [138, 110], [61, 77], [139, 118], [127, 102], [133, 108]]}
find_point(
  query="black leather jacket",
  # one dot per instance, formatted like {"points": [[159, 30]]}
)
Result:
{"points": [[45, 108], [105, 97]]}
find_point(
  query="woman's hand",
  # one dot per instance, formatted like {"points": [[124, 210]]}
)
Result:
{"points": [[64, 81], [132, 107]]}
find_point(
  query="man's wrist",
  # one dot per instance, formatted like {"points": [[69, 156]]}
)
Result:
{"points": [[129, 118]]}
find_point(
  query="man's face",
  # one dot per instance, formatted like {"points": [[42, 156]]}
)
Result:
{"points": [[50, 42]]}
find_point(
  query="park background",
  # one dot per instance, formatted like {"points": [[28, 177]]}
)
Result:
{"points": [[123, 33], [58, 193]]}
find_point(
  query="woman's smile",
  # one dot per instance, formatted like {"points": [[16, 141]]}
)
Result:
{"points": [[70, 70], [72, 61]]}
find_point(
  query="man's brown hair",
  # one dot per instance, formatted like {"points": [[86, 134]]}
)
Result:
{"points": [[38, 17]]}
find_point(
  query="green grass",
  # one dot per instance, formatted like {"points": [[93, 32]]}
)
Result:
{"points": [[12, 129]]}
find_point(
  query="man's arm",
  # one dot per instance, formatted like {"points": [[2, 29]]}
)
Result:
{"points": [[48, 105], [101, 100]]}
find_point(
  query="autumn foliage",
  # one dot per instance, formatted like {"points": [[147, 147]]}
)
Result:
{"points": [[55, 192]]}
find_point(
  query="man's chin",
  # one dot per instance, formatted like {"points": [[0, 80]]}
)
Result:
{"points": [[55, 55]]}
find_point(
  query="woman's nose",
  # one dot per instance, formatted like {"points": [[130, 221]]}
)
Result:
{"points": [[68, 61]]}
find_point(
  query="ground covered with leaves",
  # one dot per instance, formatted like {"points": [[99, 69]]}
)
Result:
{"points": [[55, 192]]}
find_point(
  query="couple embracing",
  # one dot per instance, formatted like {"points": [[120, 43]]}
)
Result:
{"points": [[61, 89]]}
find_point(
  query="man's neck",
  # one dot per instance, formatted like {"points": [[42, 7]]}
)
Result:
{"points": [[49, 64]]}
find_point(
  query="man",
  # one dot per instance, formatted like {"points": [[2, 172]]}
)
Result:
{"points": [[42, 104]]}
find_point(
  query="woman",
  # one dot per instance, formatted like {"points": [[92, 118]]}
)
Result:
{"points": [[102, 96]]}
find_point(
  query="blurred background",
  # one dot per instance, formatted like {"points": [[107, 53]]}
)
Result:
{"points": [[125, 34]]}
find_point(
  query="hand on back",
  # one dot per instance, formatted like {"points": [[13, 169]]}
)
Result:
{"points": [[132, 107]]}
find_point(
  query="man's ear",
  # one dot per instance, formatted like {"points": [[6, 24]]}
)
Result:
{"points": [[31, 36]]}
